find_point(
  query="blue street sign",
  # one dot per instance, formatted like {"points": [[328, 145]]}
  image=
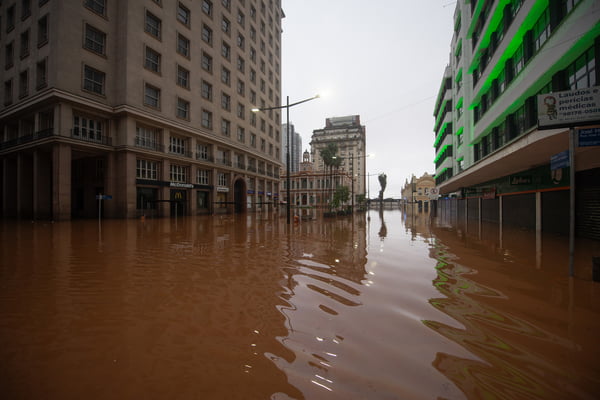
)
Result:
{"points": [[560, 160], [589, 137], [103, 197]]}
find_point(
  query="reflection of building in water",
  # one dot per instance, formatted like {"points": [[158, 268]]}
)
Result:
{"points": [[490, 151], [417, 193], [516, 325]]}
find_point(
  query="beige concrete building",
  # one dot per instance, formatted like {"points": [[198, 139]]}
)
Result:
{"points": [[418, 193], [148, 102], [350, 137]]}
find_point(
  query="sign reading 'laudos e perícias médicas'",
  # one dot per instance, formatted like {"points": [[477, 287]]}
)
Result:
{"points": [[570, 107]]}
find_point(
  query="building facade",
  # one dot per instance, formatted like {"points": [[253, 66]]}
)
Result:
{"points": [[491, 153], [418, 193], [295, 149], [351, 140], [148, 102]]}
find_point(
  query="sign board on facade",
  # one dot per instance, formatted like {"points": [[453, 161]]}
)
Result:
{"points": [[560, 160], [570, 107], [520, 180], [222, 189], [103, 197], [181, 185], [589, 137]]}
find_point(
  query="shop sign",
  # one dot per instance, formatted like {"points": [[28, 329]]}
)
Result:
{"points": [[222, 189], [569, 107], [589, 137], [181, 185], [521, 180], [250, 191], [489, 194]]}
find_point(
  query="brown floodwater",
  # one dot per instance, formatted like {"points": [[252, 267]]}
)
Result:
{"points": [[392, 306]]}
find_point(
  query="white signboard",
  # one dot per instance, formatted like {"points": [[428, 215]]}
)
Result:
{"points": [[570, 107]]}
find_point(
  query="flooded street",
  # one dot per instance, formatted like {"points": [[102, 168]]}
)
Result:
{"points": [[245, 307]]}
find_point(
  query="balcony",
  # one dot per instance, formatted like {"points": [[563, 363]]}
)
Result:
{"points": [[27, 138], [149, 144], [91, 137]]}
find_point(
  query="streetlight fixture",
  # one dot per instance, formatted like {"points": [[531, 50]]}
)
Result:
{"points": [[287, 106]]}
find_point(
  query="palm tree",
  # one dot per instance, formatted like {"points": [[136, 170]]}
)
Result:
{"points": [[383, 182]]}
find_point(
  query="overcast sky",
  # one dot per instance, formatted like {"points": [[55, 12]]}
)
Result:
{"points": [[380, 59]]}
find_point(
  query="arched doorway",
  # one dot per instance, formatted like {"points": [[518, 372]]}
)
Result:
{"points": [[239, 195]]}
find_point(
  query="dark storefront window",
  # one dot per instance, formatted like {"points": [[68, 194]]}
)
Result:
{"points": [[146, 198]]}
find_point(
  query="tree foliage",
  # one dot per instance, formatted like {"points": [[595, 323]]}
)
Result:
{"points": [[341, 196]]}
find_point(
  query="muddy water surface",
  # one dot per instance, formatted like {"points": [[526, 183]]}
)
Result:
{"points": [[241, 307]]}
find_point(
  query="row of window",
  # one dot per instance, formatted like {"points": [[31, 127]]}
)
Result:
{"points": [[24, 42], [41, 81], [149, 170]]}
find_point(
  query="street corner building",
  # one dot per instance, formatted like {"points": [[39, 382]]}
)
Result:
{"points": [[518, 114], [146, 104]]}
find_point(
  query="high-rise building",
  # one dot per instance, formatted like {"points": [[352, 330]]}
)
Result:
{"points": [[295, 149], [349, 137], [148, 102], [492, 153]]}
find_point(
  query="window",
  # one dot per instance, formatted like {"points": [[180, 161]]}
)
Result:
{"points": [[207, 34], [152, 60], [9, 54], [225, 127], [253, 34], [206, 62], [10, 18], [225, 101], [24, 83], [8, 89], [240, 41], [183, 109], [183, 14], [207, 7], [541, 29], [87, 128], [183, 77], [183, 45], [253, 13], [252, 54], [153, 25], [25, 8], [97, 6], [145, 169], [177, 145], [95, 40], [223, 179], [241, 111], [241, 64], [151, 96], [206, 90], [93, 80], [241, 134], [225, 50], [518, 60], [252, 76], [241, 87], [253, 140], [146, 137], [24, 44], [582, 73], [43, 30], [263, 145], [241, 18], [178, 173], [225, 76], [226, 4], [202, 151], [206, 119], [41, 74], [202, 176], [226, 26]]}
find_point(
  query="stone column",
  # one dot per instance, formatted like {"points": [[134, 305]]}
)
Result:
{"points": [[61, 182]]}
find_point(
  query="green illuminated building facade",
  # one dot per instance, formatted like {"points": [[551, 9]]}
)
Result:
{"points": [[488, 145]]}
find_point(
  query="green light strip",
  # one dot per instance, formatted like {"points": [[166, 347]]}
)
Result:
{"points": [[441, 112], [460, 103], [460, 131], [459, 75], [441, 152], [439, 136], [441, 172]]}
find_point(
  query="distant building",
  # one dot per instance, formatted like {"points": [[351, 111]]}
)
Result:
{"points": [[418, 193], [350, 138], [295, 149], [492, 155], [313, 188], [147, 101]]}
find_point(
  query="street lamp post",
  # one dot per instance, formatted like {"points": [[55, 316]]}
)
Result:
{"points": [[287, 107]]}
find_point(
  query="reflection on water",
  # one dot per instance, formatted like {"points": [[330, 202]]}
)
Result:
{"points": [[245, 307]]}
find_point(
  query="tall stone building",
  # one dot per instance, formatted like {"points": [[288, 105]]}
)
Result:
{"points": [[493, 156], [350, 138], [145, 101]]}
